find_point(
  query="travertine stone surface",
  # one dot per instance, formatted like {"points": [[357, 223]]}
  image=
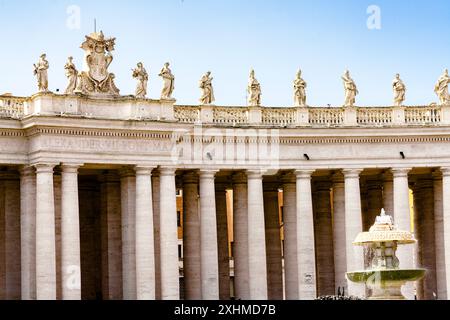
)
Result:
{"points": [[191, 237], [223, 240], [257, 279], [273, 243], [441, 282], [339, 235]]}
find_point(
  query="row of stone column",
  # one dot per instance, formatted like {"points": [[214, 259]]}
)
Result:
{"points": [[150, 259]]}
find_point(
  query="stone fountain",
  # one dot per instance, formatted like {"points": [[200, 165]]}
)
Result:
{"points": [[384, 277]]}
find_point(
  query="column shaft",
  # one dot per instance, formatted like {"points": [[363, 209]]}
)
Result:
{"points": [[28, 232], [208, 237], [402, 218], [128, 201], [70, 234], [145, 250], [156, 214], [439, 238], [256, 238], [45, 234], [170, 283], [222, 238], [306, 260], [273, 244], [339, 242], [240, 248], [191, 238], [292, 284], [353, 226], [446, 224]]}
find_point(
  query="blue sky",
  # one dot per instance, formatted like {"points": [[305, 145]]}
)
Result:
{"points": [[228, 37]]}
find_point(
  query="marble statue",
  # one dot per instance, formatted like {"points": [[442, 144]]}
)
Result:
{"points": [[41, 72], [72, 76], [441, 88], [207, 88], [96, 79], [299, 90], [351, 91], [254, 91], [142, 78], [399, 91], [168, 82]]}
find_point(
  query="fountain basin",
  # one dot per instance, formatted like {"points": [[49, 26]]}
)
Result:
{"points": [[386, 284]]}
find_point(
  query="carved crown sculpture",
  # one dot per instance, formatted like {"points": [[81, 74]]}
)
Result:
{"points": [[95, 79]]}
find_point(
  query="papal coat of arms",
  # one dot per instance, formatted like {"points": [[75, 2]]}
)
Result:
{"points": [[96, 79]]}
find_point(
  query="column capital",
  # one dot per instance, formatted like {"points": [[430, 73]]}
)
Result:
{"points": [[255, 174], [27, 170], [400, 172], [304, 174], [167, 171], [352, 173], [70, 167], [208, 174], [437, 174], [45, 167], [190, 177], [445, 171], [144, 170], [239, 178], [126, 172], [288, 178], [337, 179]]}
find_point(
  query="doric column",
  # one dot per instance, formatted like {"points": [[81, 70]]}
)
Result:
{"points": [[353, 226], [425, 235], [306, 261], [208, 237], [156, 214], [128, 204], [256, 237], [402, 218], [170, 282], [388, 193], [439, 237], [45, 234], [70, 233], [291, 276], [2, 243], [28, 232], [111, 235], [145, 247], [240, 227], [191, 237], [339, 235], [222, 239], [446, 223], [273, 242], [323, 227], [11, 209]]}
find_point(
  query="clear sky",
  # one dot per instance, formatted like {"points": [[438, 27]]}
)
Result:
{"points": [[228, 37]]}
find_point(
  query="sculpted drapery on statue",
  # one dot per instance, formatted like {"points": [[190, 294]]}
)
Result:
{"points": [[399, 90], [72, 76], [40, 71], [95, 79], [441, 88], [351, 91], [299, 90], [168, 82], [254, 91], [142, 77], [207, 88]]}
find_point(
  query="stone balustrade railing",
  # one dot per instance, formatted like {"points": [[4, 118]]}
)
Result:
{"points": [[12, 107], [131, 108], [315, 116]]}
